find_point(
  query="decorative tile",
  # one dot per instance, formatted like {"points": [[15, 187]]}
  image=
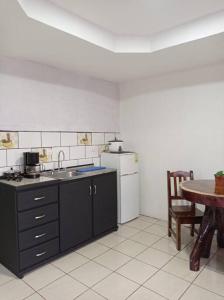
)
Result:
{"points": [[45, 154], [77, 152], [167, 285], [97, 138], [137, 271], [64, 288], [102, 148], [90, 273], [3, 158], [116, 287], [29, 139], [51, 139], [92, 151], [69, 138], [8, 140], [84, 138]]}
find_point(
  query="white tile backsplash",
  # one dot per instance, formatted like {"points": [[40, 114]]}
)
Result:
{"points": [[97, 138], [55, 151], [92, 151], [109, 137], [15, 156], [77, 152], [48, 144], [3, 162], [51, 139], [29, 139], [69, 138]]}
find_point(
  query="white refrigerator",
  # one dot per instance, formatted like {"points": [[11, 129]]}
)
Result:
{"points": [[126, 164]]}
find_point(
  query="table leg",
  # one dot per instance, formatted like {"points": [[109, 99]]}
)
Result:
{"points": [[220, 226], [203, 243]]}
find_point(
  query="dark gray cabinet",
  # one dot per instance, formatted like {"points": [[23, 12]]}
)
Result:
{"points": [[42, 221], [75, 213]]}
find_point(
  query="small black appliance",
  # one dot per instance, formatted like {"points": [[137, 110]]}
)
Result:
{"points": [[31, 165]]}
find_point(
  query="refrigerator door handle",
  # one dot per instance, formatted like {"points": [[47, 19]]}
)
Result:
{"points": [[129, 174]]}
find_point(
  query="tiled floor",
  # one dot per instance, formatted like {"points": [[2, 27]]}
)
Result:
{"points": [[138, 262]]}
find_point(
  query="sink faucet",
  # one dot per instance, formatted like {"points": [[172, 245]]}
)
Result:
{"points": [[59, 159]]}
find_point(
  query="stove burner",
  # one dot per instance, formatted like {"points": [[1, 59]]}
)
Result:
{"points": [[16, 176]]}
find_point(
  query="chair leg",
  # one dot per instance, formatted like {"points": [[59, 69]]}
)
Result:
{"points": [[178, 236], [192, 229], [169, 225]]}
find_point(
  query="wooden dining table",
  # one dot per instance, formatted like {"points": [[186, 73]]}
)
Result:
{"points": [[203, 192]]}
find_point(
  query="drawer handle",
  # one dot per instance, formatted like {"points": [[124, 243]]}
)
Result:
{"points": [[39, 198], [41, 254], [40, 217], [40, 235]]}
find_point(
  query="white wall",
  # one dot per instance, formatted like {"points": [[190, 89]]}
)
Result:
{"points": [[174, 122], [38, 97]]}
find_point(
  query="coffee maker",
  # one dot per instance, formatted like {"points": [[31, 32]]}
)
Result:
{"points": [[31, 165]]}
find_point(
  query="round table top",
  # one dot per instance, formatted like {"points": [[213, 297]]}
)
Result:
{"points": [[202, 191]]}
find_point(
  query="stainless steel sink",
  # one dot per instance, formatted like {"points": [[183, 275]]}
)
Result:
{"points": [[65, 174]]}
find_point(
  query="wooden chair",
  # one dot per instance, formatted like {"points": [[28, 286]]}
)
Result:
{"points": [[182, 214]]}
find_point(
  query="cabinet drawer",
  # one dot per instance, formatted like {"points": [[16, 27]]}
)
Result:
{"points": [[37, 197], [38, 254], [37, 216], [38, 235]]}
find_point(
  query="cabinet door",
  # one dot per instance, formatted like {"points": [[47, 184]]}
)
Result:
{"points": [[104, 203], [75, 213]]}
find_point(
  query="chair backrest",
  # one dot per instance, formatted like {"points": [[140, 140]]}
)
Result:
{"points": [[173, 181]]}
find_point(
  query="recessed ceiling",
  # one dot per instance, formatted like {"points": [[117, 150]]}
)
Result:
{"points": [[140, 17], [25, 38]]}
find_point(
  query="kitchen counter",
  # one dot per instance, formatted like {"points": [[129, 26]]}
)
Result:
{"points": [[44, 179]]}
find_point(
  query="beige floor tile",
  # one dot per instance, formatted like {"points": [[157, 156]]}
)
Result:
{"points": [[40, 277], [157, 229], [64, 288], [137, 223], [217, 261], [90, 295], [5, 275], [148, 219], [112, 259], [145, 238], [92, 250], [111, 240], [180, 268], [16, 289], [154, 257], [130, 248], [137, 271], [126, 231], [167, 285], [90, 273], [162, 223], [115, 287], [145, 294], [35, 297], [211, 280], [70, 261], [195, 292], [166, 245]]}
